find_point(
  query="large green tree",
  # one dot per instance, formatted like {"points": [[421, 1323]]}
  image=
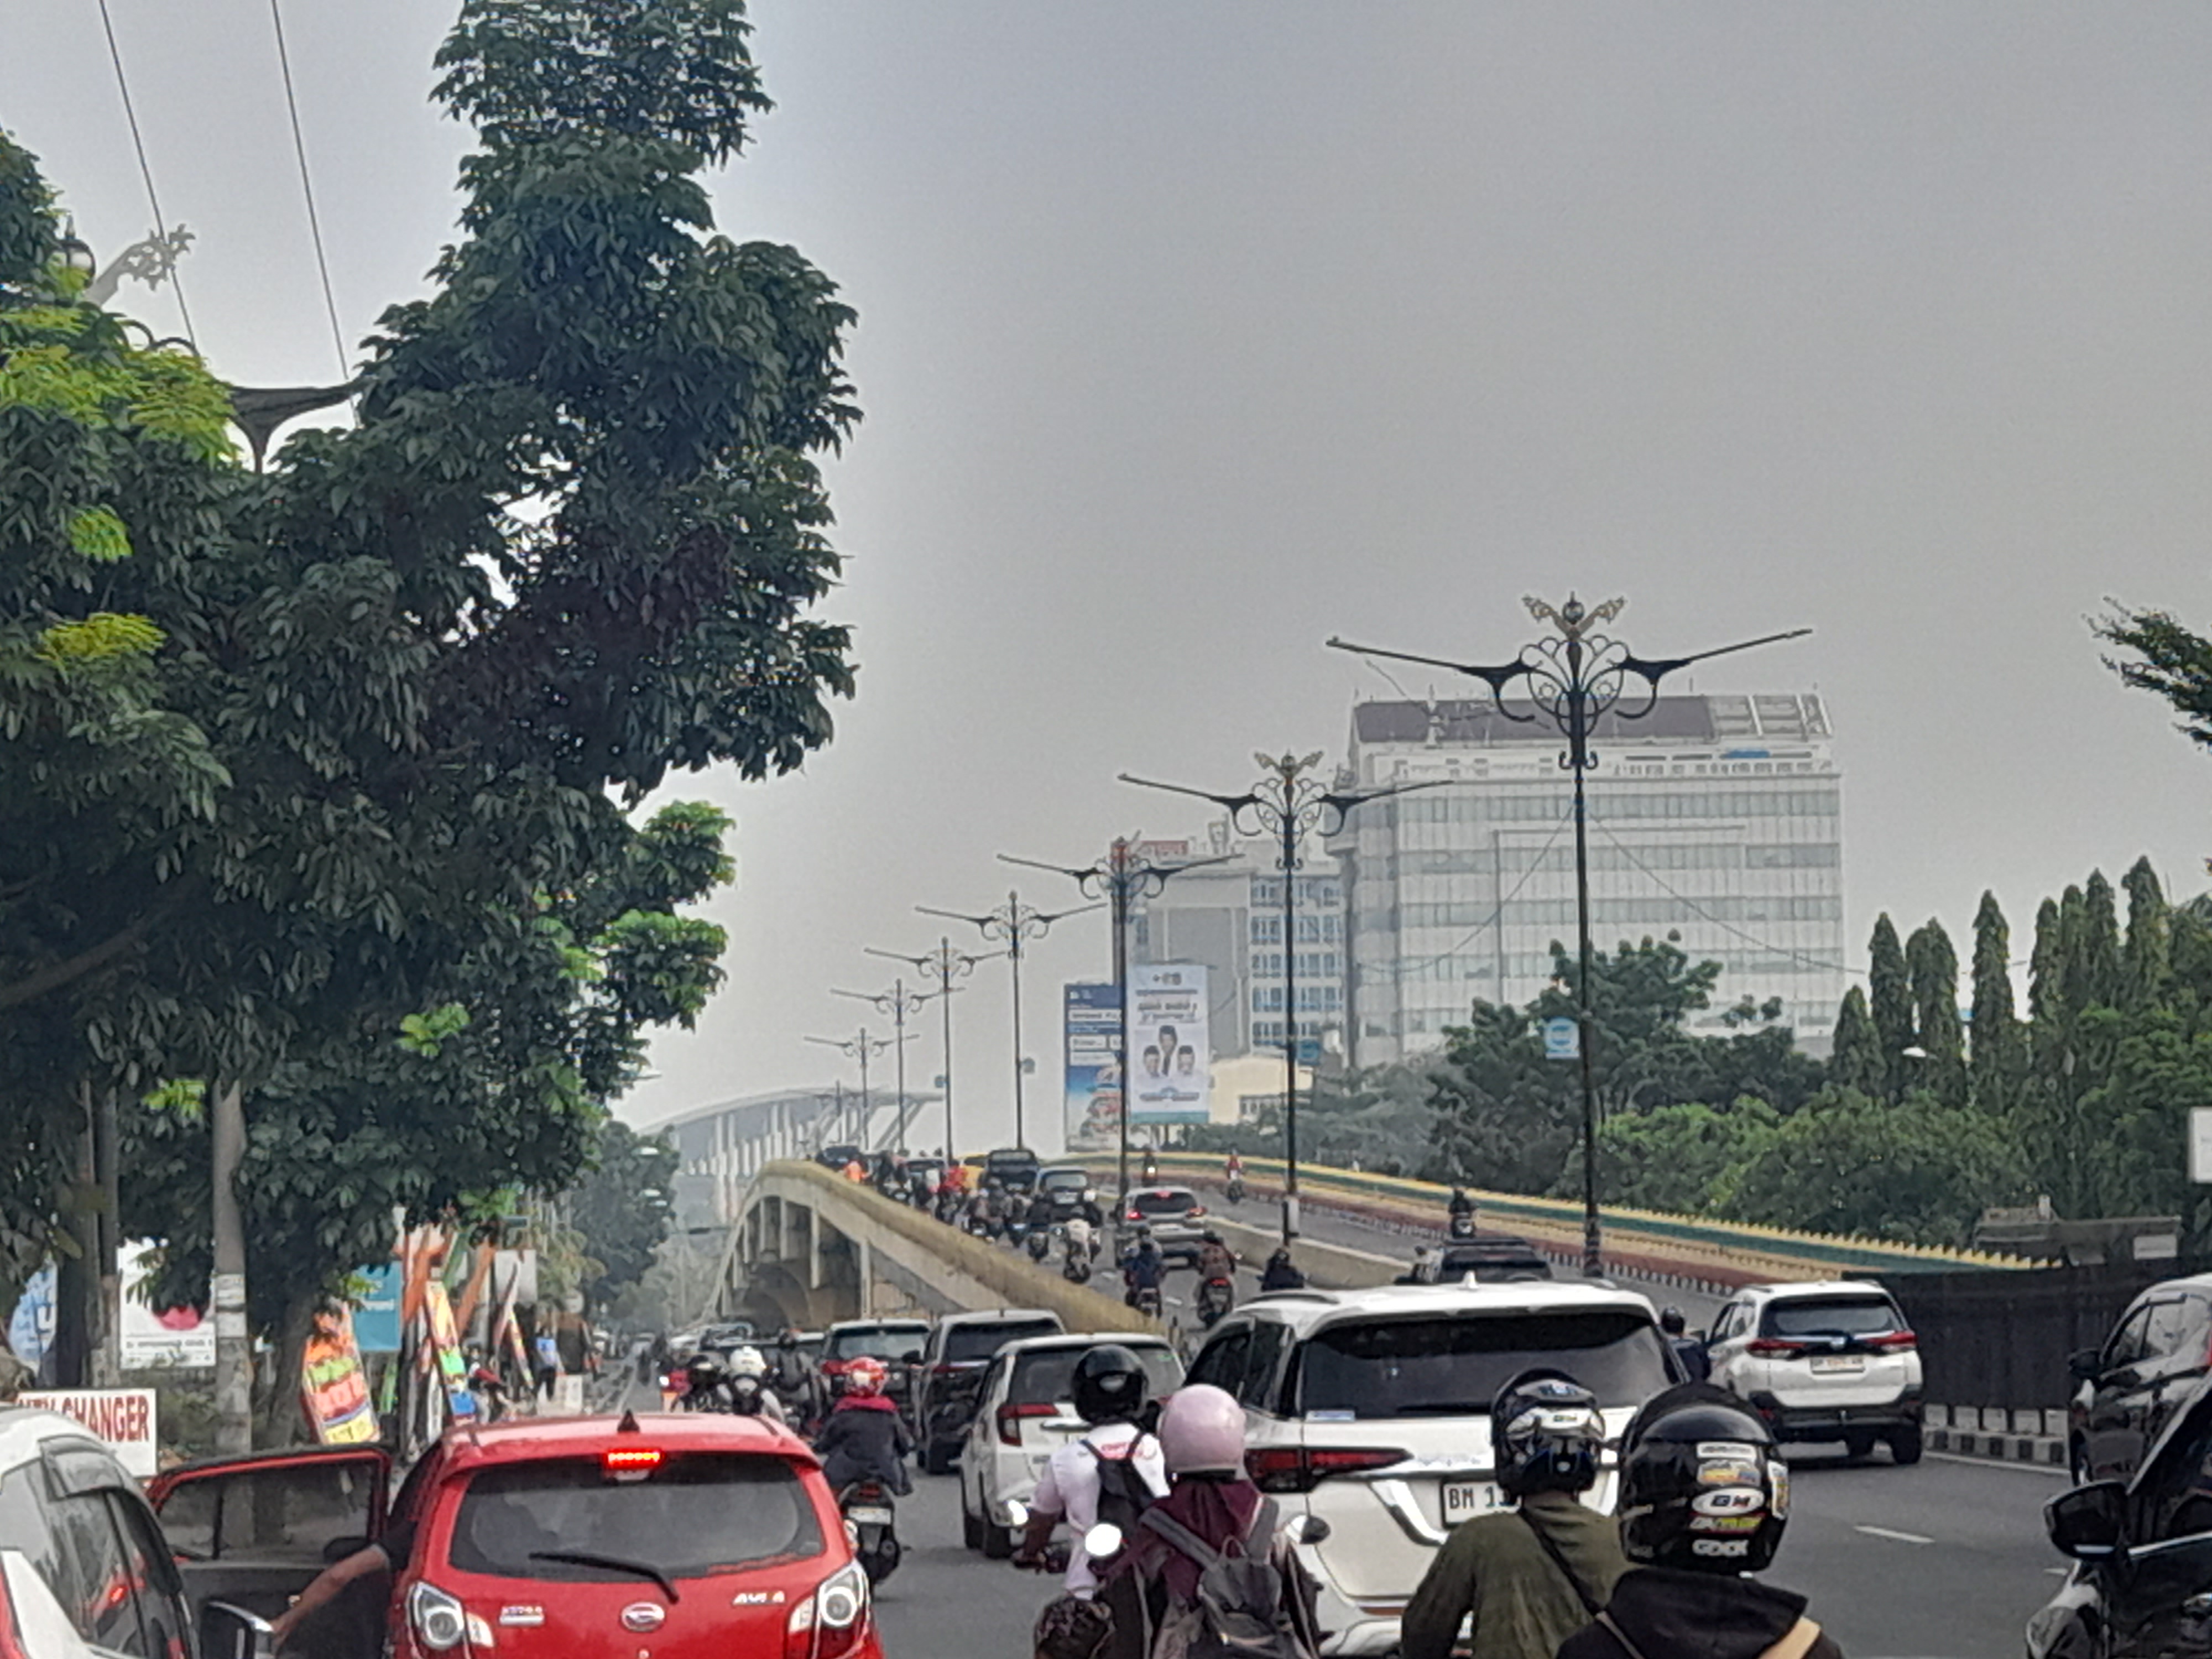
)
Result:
{"points": [[1889, 1000], [1997, 1059], [621, 1209]]}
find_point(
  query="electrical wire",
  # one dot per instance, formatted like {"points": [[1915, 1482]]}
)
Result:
{"points": [[307, 184], [1660, 882], [145, 168], [1400, 969]]}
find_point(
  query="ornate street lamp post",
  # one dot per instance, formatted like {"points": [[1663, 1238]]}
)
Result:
{"points": [[898, 1002], [1287, 805], [1569, 678], [947, 967], [859, 1046]]}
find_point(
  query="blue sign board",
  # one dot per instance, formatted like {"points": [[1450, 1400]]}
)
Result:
{"points": [[1563, 1039], [376, 1321]]}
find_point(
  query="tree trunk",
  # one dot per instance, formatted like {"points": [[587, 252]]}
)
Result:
{"points": [[233, 1354], [279, 1418]]}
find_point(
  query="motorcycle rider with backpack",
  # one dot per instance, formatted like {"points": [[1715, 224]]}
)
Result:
{"points": [[1529, 1577], [1217, 1276], [1202, 1575], [1142, 1270], [1704, 1496], [862, 1438], [750, 1395], [1114, 1472]]}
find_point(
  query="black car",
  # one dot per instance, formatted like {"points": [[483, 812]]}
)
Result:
{"points": [[1067, 1188], [1491, 1261], [1014, 1168], [948, 1381], [2143, 1553], [2130, 1385], [836, 1157]]}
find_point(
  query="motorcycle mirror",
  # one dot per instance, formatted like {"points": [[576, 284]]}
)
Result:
{"points": [[1018, 1512], [1102, 1540], [1307, 1529]]}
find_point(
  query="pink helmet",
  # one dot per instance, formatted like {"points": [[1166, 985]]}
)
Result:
{"points": [[1202, 1431], [866, 1376]]}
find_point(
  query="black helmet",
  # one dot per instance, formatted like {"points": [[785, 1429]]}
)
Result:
{"points": [[703, 1371], [1546, 1434], [1671, 1322], [1109, 1385], [1702, 1485], [1210, 1236]]}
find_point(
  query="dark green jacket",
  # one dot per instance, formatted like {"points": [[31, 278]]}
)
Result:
{"points": [[1494, 1568]]}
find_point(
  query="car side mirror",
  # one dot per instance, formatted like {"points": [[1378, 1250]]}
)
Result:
{"points": [[229, 1631], [2087, 1522], [2085, 1364]]}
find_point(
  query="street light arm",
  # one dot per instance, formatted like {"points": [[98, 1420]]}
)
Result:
{"points": [[1230, 803], [1495, 675], [952, 916], [1654, 670], [893, 955], [1055, 869]]}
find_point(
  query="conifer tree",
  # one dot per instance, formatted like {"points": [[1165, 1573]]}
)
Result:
{"points": [[2146, 958], [1858, 1063], [1933, 964], [1889, 993], [1995, 1033]]}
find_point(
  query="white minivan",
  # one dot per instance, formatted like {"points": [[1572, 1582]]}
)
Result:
{"points": [[1370, 1410]]}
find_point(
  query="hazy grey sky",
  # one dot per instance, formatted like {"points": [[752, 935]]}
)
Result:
{"points": [[1192, 333]]}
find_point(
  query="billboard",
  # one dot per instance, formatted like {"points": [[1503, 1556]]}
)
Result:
{"points": [[150, 1337], [1090, 1020], [1170, 1052]]}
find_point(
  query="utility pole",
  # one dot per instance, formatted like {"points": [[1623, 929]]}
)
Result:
{"points": [[1569, 680], [233, 1356]]}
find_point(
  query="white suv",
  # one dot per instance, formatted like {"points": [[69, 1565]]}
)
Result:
{"points": [[1832, 1360], [1023, 1414], [1370, 1410]]}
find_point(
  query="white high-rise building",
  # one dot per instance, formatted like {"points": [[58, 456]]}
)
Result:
{"points": [[1714, 818]]}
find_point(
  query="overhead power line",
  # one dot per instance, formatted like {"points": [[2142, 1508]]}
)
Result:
{"points": [[306, 186], [145, 168]]}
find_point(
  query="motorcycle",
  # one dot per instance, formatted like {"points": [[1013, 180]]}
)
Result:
{"points": [[1215, 1297], [872, 1521], [1146, 1300], [1462, 1227], [1075, 1259], [1234, 1192], [1102, 1544], [1038, 1245], [976, 1226]]}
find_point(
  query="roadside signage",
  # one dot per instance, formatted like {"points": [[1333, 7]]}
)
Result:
{"points": [[123, 1417], [2200, 1143], [1563, 1039]]}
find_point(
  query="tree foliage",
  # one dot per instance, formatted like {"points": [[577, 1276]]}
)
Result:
{"points": [[621, 1209]]}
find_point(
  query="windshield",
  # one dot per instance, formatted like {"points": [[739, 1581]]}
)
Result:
{"points": [[1157, 1203], [1454, 1366], [968, 1342], [1832, 1316], [1064, 1181], [1047, 1377], [889, 1342], [698, 1513]]}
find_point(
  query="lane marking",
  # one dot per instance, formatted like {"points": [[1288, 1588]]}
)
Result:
{"points": [[1899, 1537], [2055, 1473]]}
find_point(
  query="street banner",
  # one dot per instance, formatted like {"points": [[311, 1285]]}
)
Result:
{"points": [[332, 1384], [1091, 1019], [31, 1328], [149, 1337], [445, 1347], [376, 1321], [1171, 1051], [123, 1417]]}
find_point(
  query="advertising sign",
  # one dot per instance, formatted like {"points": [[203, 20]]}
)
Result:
{"points": [[170, 1336], [444, 1350], [1170, 1052], [31, 1328], [123, 1417], [332, 1384], [376, 1321], [1091, 1079]]}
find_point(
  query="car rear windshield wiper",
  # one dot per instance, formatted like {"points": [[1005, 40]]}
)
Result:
{"points": [[612, 1564]]}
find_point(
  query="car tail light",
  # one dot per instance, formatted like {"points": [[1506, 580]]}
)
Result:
{"points": [[1133, 1216], [944, 1368], [11, 1635], [1009, 1419], [1894, 1342], [1301, 1468], [833, 1621], [1773, 1348], [1196, 1211], [440, 1622]]}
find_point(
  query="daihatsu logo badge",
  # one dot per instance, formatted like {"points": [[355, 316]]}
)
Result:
{"points": [[643, 1616]]}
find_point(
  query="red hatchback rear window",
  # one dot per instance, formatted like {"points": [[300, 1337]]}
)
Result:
{"points": [[697, 1513]]}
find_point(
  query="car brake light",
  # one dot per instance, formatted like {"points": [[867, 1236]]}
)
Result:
{"points": [[439, 1620], [1010, 1417], [1773, 1348], [1196, 1211], [631, 1459], [1894, 1342], [944, 1367], [1133, 1216], [1301, 1468], [833, 1621], [11, 1635]]}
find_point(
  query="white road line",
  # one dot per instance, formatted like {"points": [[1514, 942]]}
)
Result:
{"points": [[1899, 1537], [2052, 1470]]}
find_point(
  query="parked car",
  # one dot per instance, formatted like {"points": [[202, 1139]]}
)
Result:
{"points": [[2141, 1550], [1370, 1410], [1014, 1168], [836, 1157], [587, 1533], [1176, 1217], [2128, 1388], [1832, 1360], [1023, 1413], [85, 1569], [1067, 1188], [951, 1369], [897, 1342], [1492, 1261]]}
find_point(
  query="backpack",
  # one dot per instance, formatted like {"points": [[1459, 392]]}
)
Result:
{"points": [[1248, 1605], [1123, 1497]]}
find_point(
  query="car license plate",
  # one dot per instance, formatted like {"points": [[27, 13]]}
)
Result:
{"points": [[869, 1517], [1465, 1499], [1826, 1364]]}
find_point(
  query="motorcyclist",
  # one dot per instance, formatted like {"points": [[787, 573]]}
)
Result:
{"points": [[1689, 1590], [1114, 1465], [794, 1380], [1077, 1230], [1526, 1578], [1202, 1442], [1143, 1267], [747, 1366], [1281, 1273], [1215, 1258], [1462, 1213], [1151, 1165], [862, 1438], [703, 1381], [1697, 1363]]}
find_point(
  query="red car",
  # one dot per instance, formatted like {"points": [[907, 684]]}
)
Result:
{"points": [[688, 1536]]}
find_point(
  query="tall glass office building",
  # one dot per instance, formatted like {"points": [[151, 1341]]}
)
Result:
{"points": [[1714, 818]]}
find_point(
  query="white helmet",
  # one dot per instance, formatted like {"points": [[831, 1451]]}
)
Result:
{"points": [[1202, 1431], [747, 1362]]}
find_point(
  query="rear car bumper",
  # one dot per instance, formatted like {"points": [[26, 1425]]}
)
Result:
{"points": [[1833, 1421]]}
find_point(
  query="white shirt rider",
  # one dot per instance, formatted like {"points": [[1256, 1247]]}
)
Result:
{"points": [[1069, 1487]]}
